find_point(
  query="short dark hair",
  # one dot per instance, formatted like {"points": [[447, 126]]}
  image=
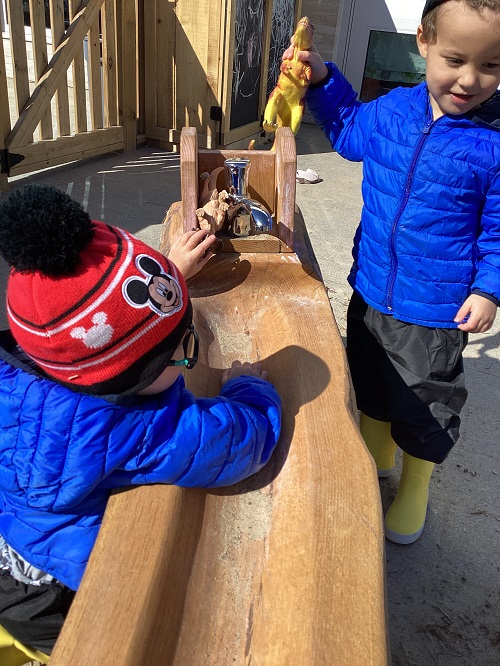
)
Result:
{"points": [[433, 7]]}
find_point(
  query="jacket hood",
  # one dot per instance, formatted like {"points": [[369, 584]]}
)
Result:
{"points": [[488, 113]]}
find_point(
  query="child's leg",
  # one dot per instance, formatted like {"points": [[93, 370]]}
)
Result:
{"points": [[13, 653], [405, 519], [413, 377], [377, 436]]}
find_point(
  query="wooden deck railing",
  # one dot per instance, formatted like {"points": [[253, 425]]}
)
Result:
{"points": [[72, 92]]}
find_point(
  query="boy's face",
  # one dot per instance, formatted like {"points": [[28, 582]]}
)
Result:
{"points": [[463, 64]]}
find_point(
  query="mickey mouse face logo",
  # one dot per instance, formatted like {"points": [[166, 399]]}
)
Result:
{"points": [[159, 291]]}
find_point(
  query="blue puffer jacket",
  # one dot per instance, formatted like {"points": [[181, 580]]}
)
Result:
{"points": [[61, 454], [430, 225]]}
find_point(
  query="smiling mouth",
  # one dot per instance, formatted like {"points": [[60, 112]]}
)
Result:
{"points": [[462, 98]]}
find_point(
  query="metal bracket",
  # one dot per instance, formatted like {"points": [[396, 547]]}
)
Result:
{"points": [[9, 160], [216, 114]]}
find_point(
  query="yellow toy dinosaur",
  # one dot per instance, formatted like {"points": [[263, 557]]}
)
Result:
{"points": [[285, 106]]}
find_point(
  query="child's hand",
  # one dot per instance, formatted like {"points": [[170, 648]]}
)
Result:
{"points": [[191, 251], [481, 311], [318, 68], [238, 368]]}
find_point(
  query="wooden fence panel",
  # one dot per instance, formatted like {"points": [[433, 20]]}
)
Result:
{"points": [[18, 49], [39, 40], [62, 99], [56, 70], [103, 117], [109, 62], [4, 113], [95, 89], [79, 93], [127, 75]]}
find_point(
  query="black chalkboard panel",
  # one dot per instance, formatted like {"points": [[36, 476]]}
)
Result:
{"points": [[247, 62]]}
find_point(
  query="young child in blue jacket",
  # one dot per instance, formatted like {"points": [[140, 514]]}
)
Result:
{"points": [[426, 269], [92, 397]]}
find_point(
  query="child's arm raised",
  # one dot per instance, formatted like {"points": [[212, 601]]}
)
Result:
{"points": [[319, 70]]}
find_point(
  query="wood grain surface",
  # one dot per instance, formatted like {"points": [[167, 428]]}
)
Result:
{"points": [[283, 569]]}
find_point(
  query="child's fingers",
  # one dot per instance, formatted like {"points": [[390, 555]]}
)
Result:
{"points": [[207, 242], [194, 237], [462, 313]]}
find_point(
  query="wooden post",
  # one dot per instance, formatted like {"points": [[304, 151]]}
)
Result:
{"points": [[79, 94], [62, 105], [4, 115], [286, 166], [127, 68], [189, 176], [39, 42], [18, 50], [109, 63]]}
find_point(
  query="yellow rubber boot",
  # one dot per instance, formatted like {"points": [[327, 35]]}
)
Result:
{"points": [[405, 519], [14, 653], [378, 440]]}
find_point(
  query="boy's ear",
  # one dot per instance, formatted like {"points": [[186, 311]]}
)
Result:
{"points": [[421, 42]]}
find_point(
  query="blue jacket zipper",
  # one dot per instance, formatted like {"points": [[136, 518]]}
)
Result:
{"points": [[394, 260]]}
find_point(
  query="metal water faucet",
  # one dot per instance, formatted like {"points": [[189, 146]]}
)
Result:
{"points": [[237, 170]]}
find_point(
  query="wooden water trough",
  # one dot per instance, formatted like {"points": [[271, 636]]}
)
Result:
{"points": [[287, 567]]}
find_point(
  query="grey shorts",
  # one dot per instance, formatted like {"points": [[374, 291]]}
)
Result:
{"points": [[409, 375]]}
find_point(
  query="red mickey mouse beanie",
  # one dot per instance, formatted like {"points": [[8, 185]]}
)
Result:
{"points": [[95, 308]]}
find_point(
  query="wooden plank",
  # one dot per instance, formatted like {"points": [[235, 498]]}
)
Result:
{"points": [[261, 176], [298, 11], [68, 149], [286, 168], [164, 92], [39, 42], [228, 66], [150, 77], [62, 100], [109, 63], [197, 51], [79, 92], [127, 72], [284, 568], [4, 114], [95, 85], [266, 46], [18, 51], [174, 136], [141, 46], [56, 69], [189, 176], [213, 56]]}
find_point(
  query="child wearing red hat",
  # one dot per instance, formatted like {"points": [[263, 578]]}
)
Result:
{"points": [[92, 397]]}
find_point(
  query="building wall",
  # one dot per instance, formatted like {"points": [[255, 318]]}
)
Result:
{"points": [[324, 14]]}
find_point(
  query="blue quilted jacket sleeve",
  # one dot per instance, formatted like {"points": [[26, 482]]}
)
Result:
{"points": [[487, 277], [347, 122], [205, 442]]}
